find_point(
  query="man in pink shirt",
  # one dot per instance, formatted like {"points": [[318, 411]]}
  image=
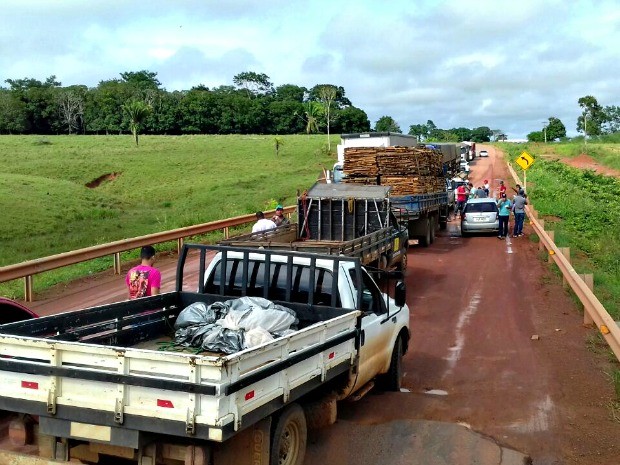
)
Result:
{"points": [[461, 198], [144, 280]]}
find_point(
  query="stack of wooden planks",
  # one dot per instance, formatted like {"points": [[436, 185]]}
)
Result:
{"points": [[408, 170]]}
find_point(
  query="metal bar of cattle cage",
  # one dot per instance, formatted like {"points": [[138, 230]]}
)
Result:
{"points": [[201, 271], [180, 268], [223, 263], [266, 274], [289, 277], [311, 279], [244, 274]]}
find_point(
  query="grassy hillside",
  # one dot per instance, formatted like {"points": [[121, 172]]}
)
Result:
{"points": [[168, 182], [582, 208]]}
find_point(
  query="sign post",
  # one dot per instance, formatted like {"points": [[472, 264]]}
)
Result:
{"points": [[525, 160]]}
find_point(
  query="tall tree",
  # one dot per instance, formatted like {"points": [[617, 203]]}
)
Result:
{"points": [[327, 93], [12, 113], [592, 116], [350, 120], [291, 92], [481, 134], [555, 129], [137, 111], [253, 83], [418, 130], [312, 113], [71, 107], [387, 124], [612, 119]]}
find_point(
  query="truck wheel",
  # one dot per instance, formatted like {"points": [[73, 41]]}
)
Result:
{"points": [[425, 240], [393, 378], [402, 265], [288, 443]]}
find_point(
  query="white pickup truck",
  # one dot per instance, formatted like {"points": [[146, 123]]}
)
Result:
{"points": [[97, 387]]}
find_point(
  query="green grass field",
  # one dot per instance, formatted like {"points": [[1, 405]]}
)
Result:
{"points": [[582, 208], [167, 182]]}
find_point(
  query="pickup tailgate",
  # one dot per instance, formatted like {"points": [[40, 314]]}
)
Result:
{"points": [[76, 384]]}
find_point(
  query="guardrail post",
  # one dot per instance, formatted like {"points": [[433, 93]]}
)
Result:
{"points": [[28, 288], [180, 242], [226, 233], [551, 235], [566, 252], [117, 263], [588, 279]]}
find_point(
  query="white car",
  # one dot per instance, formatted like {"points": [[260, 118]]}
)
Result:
{"points": [[483, 154], [464, 166]]}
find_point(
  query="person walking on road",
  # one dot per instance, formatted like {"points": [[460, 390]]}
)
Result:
{"points": [[518, 208], [144, 280], [504, 204], [501, 189]]}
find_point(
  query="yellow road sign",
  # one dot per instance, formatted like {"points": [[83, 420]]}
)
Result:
{"points": [[525, 160]]}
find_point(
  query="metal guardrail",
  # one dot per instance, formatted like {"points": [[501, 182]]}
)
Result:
{"points": [[30, 268], [594, 312]]}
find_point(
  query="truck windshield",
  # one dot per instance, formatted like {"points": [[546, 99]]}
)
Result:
{"points": [[278, 279]]}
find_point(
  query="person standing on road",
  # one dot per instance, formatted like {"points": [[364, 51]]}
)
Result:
{"points": [[481, 193], [519, 211], [472, 191], [144, 280], [461, 198], [262, 224], [486, 187], [504, 205], [501, 189]]}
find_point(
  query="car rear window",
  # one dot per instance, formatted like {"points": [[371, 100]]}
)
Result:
{"points": [[300, 282], [484, 207]]}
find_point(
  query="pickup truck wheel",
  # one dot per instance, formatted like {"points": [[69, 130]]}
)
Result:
{"points": [[393, 378], [288, 443]]}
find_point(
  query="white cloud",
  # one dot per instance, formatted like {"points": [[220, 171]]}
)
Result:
{"points": [[507, 65]]}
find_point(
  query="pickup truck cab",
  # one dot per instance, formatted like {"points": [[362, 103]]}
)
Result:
{"points": [[384, 329]]}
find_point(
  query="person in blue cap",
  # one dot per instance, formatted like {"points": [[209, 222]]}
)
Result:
{"points": [[279, 219]]}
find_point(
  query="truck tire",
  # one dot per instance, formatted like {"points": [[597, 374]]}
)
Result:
{"points": [[402, 265], [392, 380], [425, 240], [288, 441]]}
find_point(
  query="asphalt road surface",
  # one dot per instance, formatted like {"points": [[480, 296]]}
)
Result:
{"points": [[478, 389]]}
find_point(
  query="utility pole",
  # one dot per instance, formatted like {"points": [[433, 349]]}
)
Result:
{"points": [[545, 131], [585, 130]]}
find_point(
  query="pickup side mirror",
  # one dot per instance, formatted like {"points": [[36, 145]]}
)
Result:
{"points": [[400, 294]]}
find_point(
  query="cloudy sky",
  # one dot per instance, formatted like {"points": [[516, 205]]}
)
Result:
{"points": [[509, 65]]}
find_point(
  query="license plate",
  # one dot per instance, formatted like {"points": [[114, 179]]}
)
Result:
{"points": [[479, 219]]}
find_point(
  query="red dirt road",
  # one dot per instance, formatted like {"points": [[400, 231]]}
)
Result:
{"points": [[476, 303]]}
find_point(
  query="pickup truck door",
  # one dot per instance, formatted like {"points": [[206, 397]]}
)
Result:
{"points": [[378, 330]]}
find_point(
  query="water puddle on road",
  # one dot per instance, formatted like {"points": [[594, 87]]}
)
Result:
{"points": [[436, 392]]}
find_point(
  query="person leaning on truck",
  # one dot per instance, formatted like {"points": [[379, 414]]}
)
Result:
{"points": [[144, 280], [262, 224], [279, 218]]}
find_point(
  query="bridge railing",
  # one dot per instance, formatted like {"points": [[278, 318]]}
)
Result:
{"points": [[581, 284], [27, 270]]}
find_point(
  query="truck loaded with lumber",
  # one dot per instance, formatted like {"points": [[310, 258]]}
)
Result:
{"points": [[418, 177], [341, 219], [234, 371]]}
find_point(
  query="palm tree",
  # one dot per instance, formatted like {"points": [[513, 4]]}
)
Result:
{"points": [[312, 110], [137, 111]]}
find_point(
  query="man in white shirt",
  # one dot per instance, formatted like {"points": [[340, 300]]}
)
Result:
{"points": [[262, 224]]}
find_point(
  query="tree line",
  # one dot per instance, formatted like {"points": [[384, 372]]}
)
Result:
{"points": [[595, 120], [137, 102]]}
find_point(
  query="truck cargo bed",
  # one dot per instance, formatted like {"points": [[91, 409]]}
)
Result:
{"points": [[86, 367]]}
